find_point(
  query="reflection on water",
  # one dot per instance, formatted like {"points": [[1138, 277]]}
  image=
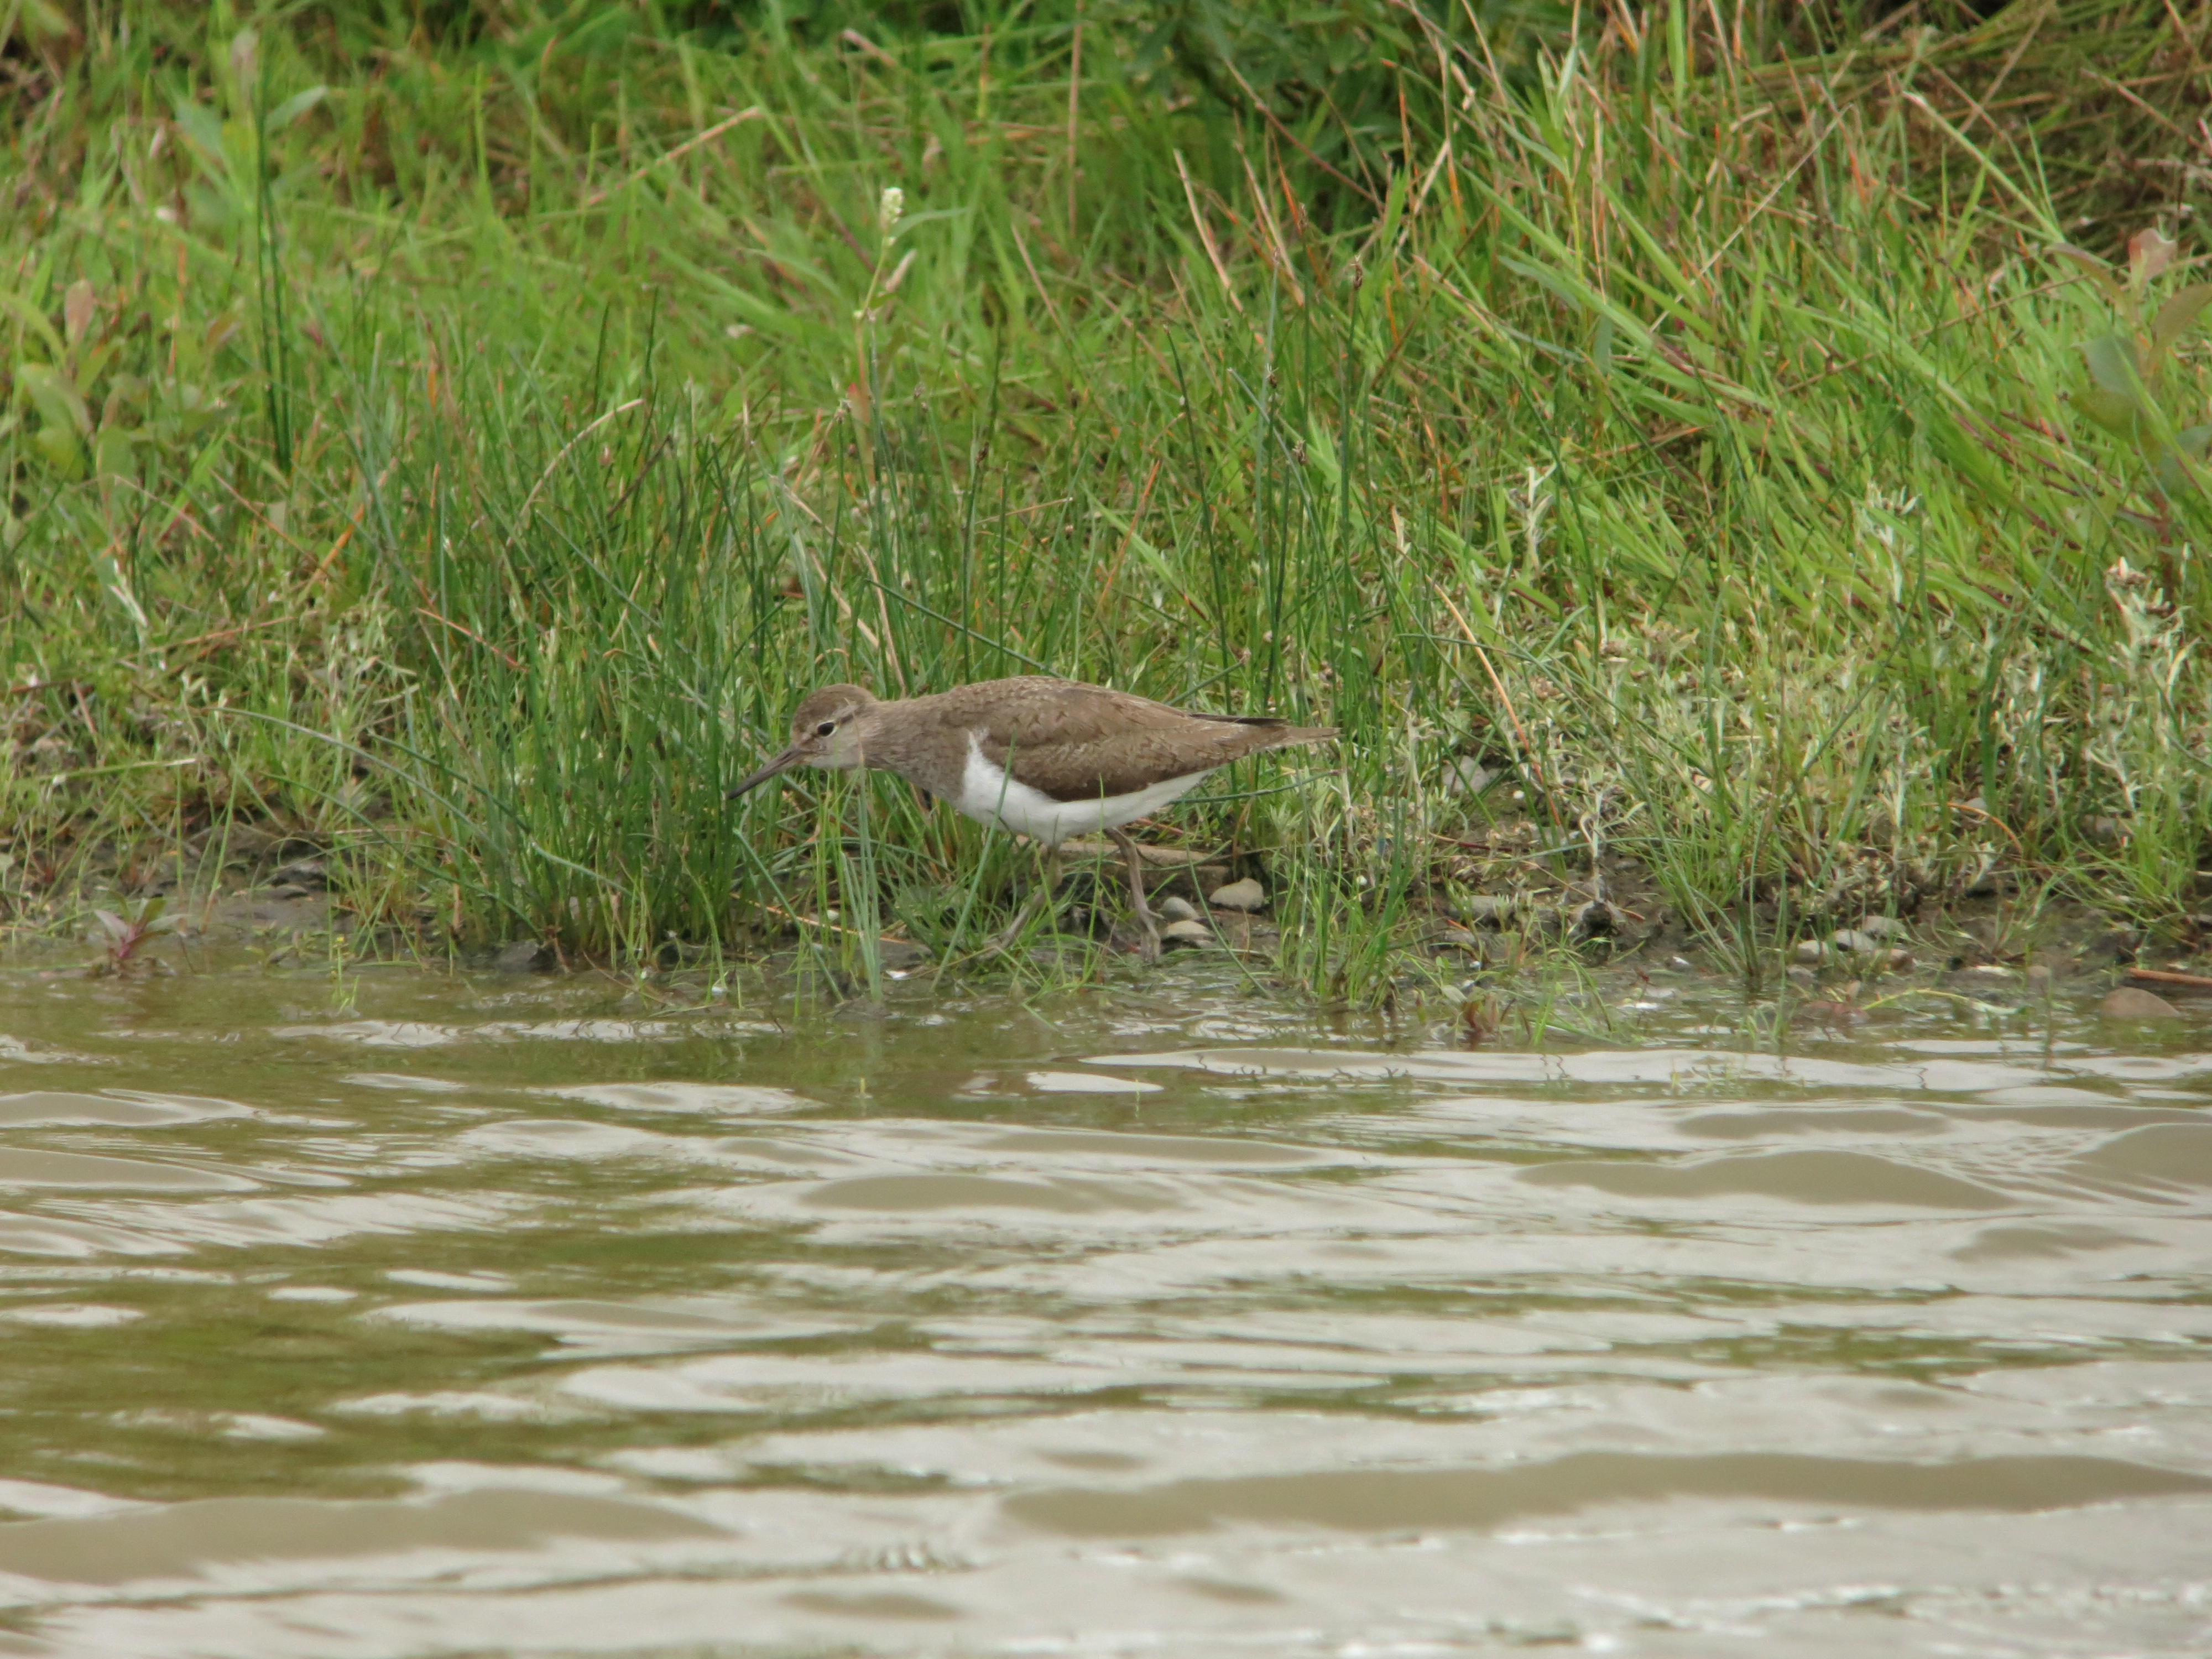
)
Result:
{"points": [[484, 1316]]}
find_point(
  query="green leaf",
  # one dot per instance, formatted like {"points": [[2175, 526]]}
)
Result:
{"points": [[294, 107], [2112, 366], [59, 445], [54, 395], [1951, 442], [244, 55], [2173, 318], [1321, 450], [126, 396], [2108, 410], [1393, 207], [2178, 469], [2098, 270], [202, 129], [78, 306], [2150, 251], [41, 22], [32, 319], [111, 453]]}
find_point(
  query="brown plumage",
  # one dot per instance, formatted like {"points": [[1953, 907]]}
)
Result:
{"points": [[1078, 742]]}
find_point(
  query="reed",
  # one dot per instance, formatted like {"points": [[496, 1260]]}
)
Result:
{"points": [[457, 451]]}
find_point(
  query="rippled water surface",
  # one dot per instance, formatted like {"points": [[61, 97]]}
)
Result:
{"points": [[420, 1315]]}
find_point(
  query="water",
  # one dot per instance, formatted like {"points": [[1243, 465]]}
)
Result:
{"points": [[409, 1315]]}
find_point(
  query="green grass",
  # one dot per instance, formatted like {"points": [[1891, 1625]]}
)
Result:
{"points": [[464, 466]]}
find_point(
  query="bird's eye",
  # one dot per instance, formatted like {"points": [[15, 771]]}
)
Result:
{"points": [[825, 728]]}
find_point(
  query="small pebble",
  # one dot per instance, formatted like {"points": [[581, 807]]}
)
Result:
{"points": [[1187, 933], [1832, 1013], [1681, 964], [1895, 961], [1882, 928], [2132, 1002], [523, 956], [1245, 895], [1465, 776], [236, 841], [2119, 945], [1596, 920], [1176, 909], [1810, 950], [1853, 940]]}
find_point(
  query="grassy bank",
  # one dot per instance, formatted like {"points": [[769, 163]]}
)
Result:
{"points": [[454, 446]]}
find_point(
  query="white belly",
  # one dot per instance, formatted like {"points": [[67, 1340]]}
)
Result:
{"points": [[989, 796]]}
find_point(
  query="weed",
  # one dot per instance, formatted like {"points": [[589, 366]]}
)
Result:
{"points": [[456, 449], [121, 935]]}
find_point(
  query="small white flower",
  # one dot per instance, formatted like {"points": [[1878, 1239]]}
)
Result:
{"points": [[891, 209]]}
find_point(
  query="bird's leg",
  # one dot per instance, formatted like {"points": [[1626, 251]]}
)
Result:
{"points": [[1145, 918], [1050, 861]]}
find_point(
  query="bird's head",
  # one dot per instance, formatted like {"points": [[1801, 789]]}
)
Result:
{"points": [[822, 735]]}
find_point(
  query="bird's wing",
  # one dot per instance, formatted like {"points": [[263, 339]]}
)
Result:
{"points": [[1076, 742]]}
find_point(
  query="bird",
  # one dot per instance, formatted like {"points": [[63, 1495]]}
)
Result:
{"points": [[1045, 757]]}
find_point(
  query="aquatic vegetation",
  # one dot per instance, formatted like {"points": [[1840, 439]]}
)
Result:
{"points": [[1669, 455]]}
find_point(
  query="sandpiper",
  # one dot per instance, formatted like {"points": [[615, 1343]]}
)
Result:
{"points": [[1045, 757]]}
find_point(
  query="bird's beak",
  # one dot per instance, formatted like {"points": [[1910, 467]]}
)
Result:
{"points": [[783, 763]]}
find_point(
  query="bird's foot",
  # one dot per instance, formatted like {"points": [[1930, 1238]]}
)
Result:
{"points": [[1025, 918], [1133, 943], [1150, 946], [1151, 949]]}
